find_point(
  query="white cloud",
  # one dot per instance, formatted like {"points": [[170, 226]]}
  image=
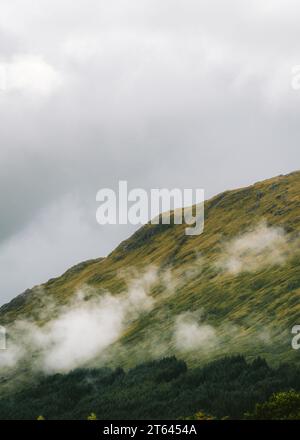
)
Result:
{"points": [[256, 249], [191, 334], [82, 329], [29, 74]]}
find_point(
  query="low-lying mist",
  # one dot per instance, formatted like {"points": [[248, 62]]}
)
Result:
{"points": [[65, 337], [82, 329], [257, 249]]}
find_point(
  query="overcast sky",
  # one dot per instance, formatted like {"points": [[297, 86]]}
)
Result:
{"points": [[166, 93]]}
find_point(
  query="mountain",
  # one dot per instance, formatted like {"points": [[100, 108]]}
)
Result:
{"points": [[233, 289]]}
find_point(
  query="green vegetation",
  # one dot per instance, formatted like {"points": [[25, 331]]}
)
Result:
{"points": [[251, 311], [280, 406], [257, 303], [164, 389], [92, 416]]}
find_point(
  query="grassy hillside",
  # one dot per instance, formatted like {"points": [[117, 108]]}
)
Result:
{"points": [[250, 300]]}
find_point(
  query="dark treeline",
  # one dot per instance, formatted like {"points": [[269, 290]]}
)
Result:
{"points": [[164, 389]]}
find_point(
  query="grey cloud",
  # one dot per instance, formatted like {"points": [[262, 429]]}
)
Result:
{"points": [[159, 94]]}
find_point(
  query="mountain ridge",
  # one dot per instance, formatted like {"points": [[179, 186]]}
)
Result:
{"points": [[250, 311]]}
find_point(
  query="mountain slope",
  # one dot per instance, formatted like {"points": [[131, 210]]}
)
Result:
{"points": [[234, 288]]}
